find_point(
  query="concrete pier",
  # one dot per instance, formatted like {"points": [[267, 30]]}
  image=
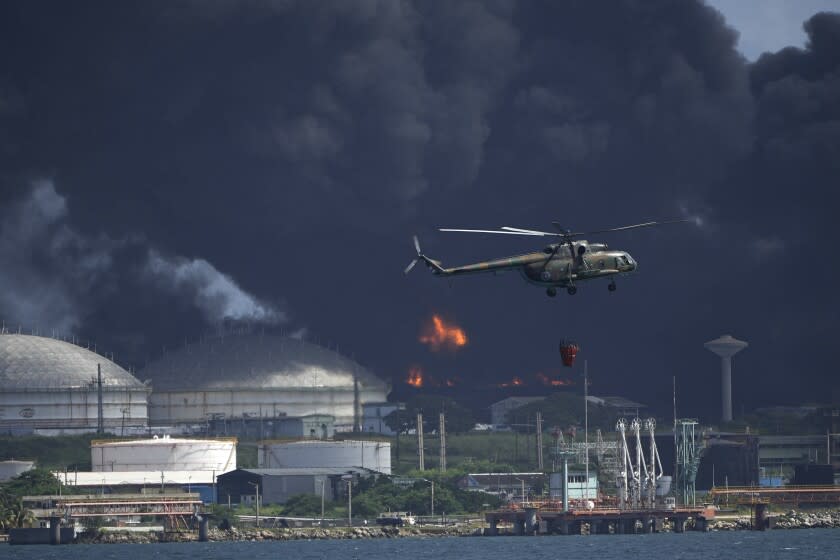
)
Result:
{"points": [[531, 521], [202, 529], [55, 530]]}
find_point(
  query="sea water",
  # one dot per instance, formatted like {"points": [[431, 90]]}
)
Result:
{"points": [[801, 544]]}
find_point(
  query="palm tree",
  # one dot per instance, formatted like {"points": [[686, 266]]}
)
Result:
{"points": [[14, 515]]}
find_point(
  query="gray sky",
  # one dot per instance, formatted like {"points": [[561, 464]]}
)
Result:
{"points": [[770, 25]]}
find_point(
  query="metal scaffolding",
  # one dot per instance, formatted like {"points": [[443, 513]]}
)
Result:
{"points": [[689, 449]]}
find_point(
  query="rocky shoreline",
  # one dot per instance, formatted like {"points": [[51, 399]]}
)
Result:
{"points": [[792, 519], [255, 535]]}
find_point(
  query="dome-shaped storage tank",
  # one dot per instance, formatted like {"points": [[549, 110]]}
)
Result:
{"points": [[164, 454], [258, 377], [373, 455], [50, 384]]}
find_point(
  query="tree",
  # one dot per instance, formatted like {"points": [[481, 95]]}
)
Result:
{"points": [[305, 505], [34, 482], [12, 512]]}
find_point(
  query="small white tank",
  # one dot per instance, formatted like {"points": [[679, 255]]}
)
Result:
{"points": [[663, 486], [373, 455]]}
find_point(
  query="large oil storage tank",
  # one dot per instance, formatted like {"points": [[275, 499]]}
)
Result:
{"points": [[258, 376], [12, 468], [373, 455], [164, 454], [51, 384]]}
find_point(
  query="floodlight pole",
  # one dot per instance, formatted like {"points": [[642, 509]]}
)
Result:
{"points": [[586, 425]]}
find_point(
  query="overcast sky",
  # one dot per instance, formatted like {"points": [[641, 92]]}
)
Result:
{"points": [[770, 25], [170, 169]]}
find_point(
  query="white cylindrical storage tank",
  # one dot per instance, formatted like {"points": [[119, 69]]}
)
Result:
{"points": [[164, 454], [373, 455]]}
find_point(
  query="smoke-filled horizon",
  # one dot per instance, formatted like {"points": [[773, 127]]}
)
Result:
{"points": [[177, 167]]}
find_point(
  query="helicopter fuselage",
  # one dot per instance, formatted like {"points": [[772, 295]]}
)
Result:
{"points": [[560, 270]]}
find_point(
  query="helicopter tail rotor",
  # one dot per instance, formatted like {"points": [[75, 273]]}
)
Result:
{"points": [[413, 263], [433, 264]]}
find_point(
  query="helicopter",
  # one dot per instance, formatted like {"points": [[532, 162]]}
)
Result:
{"points": [[561, 264]]}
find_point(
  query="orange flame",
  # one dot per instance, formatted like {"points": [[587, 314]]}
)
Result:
{"points": [[545, 380], [438, 334], [415, 377], [515, 382]]}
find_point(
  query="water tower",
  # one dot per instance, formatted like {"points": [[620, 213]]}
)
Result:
{"points": [[726, 347]]}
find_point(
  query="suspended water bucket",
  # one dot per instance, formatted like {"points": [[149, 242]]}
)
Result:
{"points": [[568, 352]]}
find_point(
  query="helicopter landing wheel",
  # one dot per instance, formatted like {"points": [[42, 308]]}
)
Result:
{"points": [[572, 290], [611, 286], [551, 292]]}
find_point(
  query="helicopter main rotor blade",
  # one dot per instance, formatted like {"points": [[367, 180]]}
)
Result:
{"points": [[411, 265], [529, 231], [533, 234], [623, 228]]}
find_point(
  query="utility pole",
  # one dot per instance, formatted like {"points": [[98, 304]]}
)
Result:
{"points": [[676, 457], [433, 498], [323, 481], [539, 442], [442, 442], [420, 441], [349, 479], [100, 416], [256, 486]]}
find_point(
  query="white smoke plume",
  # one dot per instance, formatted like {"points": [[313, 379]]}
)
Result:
{"points": [[216, 294], [53, 276]]}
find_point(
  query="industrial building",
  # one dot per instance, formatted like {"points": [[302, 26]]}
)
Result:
{"points": [[164, 454], [348, 454], [373, 417], [152, 483], [505, 485], [52, 386], [276, 486], [618, 407], [580, 488], [252, 379], [499, 410]]}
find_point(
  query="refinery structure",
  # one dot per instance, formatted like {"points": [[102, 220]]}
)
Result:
{"points": [[290, 398]]}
